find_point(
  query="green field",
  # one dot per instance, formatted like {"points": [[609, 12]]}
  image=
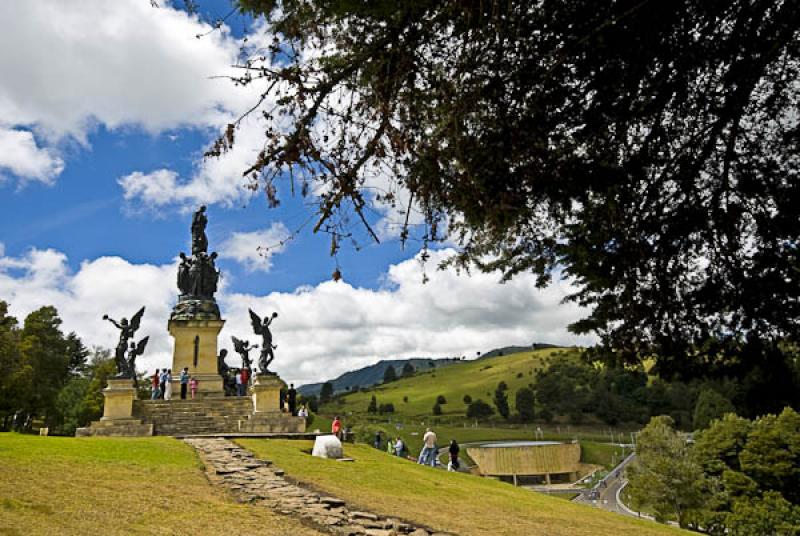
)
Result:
{"points": [[54, 486], [478, 379], [460, 503]]}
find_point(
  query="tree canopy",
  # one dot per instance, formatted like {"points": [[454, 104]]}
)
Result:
{"points": [[646, 149]]}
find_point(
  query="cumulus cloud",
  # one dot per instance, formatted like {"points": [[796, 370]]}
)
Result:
{"points": [[322, 331], [254, 250], [21, 156], [121, 64]]}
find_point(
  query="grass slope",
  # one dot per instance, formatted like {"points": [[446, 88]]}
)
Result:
{"points": [[54, 485], [453, 502], [478, 379]]}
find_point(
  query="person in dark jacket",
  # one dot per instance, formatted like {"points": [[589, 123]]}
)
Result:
{"points": [[454, 450]]}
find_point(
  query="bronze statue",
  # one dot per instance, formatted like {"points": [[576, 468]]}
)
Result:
{"points": [[243, 349], [134, 351], [126, 332], [199, 238], [184, 275], [262, 328], [222, 366]]}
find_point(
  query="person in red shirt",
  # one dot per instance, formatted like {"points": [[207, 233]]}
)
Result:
{"points": [[155, 392], [336, 427], [245, 378]]}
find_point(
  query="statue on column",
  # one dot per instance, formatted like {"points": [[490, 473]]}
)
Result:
{"points": [[199, 238], [126, 332], [261, 327], [135, 350]]}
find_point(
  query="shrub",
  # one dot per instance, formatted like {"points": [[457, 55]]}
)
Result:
{"points": [[479, 410], [467, 400], [386, 408], [437, 409], [441, 399]]}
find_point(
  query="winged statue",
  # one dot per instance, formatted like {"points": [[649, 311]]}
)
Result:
{"points": [[243, 349], [135, 350], [261, 327], [126, 332]]}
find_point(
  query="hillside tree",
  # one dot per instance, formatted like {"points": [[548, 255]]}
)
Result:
{"points": [[501, 400], [326, 393], [408, 370], [524, 402], [389, 375]]}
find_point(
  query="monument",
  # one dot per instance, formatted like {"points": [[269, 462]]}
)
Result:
{"points": [[195, 321], [266, 388]]}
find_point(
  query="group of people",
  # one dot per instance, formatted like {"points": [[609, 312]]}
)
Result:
{"points": [[429, 453], [161, 384]]}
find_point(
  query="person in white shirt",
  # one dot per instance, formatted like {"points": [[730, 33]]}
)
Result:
{"points": [[428, 454]]}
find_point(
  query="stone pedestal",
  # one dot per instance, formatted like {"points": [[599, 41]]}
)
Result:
{"points": [[119, 396], [118, 419], [196, 349], [266, 393]]}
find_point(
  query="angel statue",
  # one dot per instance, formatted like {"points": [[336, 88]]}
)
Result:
{"points": [[262, 328], [126, 332], [134, 351], [243, 349]]}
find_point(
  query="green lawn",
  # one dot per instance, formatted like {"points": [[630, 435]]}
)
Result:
{"points": [[454, 502], [478, 379], [55, 485]]}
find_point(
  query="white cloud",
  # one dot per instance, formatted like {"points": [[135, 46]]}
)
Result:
{"points": [[20, 155], [254, 250], [121, 64], [321, 331]]}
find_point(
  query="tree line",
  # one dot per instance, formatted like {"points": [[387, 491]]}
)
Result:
{"points": [[48, 378]]}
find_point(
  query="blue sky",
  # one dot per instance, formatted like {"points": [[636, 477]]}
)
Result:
{"points": [[101, 166]]}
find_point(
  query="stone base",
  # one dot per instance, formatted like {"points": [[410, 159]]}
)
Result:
{"points": [[208, 386], [266, 393], [119, 397], [116, 427], [196, 349]]}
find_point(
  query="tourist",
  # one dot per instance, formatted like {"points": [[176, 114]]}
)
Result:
{"points": [[155, 392], [239, 389], [162, 379], [193, 386], [245, 380], [336, 427], [428, 454], [399, 448], [377, 442], [184, 382], [454, 450], [390, 445], [292, 398], [168, 385], [302, 412]]}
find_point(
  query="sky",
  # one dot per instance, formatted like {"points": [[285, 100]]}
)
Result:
{"points": [[106, 109]]}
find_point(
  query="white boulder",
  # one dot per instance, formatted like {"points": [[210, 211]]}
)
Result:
{"points": [[327, 446]]}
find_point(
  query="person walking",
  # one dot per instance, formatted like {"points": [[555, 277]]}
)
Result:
{"points": [[291, 396], [428, 454], [453, 450], [336, 427], [193, 386], [377, 442], [399, 448], [184, 382], [155, 392], [162, 379], [168, 385]]}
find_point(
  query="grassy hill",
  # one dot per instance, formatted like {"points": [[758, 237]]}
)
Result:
{"points": [[373, 374], [451, 502], [478, 379], [154, 485]]}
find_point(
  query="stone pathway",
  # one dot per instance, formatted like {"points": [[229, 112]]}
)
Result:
{"points": [[258, 482]]}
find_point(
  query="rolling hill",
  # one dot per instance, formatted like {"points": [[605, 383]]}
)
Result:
{"points": [[373, 374], [415, 396]]}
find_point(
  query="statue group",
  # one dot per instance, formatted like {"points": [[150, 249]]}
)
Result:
{"points": [[198, 275], [125, 355]]}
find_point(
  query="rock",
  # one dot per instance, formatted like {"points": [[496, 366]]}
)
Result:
{"points": [[379, 532], [327, 446], [331, 501], [420, 532], [364, 515]]}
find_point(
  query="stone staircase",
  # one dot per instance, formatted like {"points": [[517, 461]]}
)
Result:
{"points": [[231, 415]]}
